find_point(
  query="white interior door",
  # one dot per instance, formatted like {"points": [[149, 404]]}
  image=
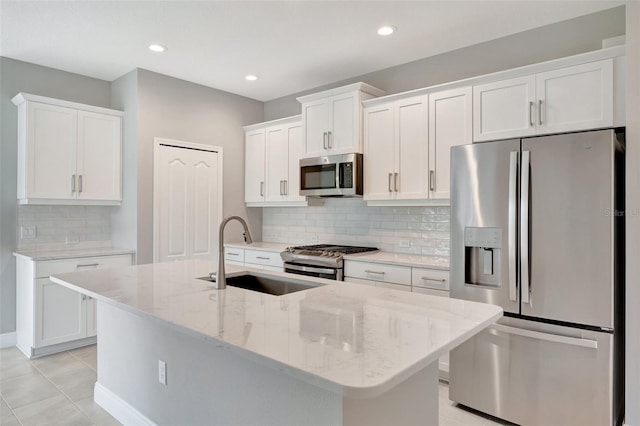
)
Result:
{"points": [[187, 200]]}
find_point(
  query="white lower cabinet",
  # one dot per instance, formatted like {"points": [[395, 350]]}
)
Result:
{"points": [[254, 258], [52, 318], [434, 282]]}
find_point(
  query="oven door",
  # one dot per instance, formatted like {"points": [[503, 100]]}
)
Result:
{"points": [[313, 271]]}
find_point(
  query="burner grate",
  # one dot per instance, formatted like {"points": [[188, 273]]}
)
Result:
{"points": [[335, 248]]}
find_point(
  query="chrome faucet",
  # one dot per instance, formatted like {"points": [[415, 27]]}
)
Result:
{"points": [[221, 280]]}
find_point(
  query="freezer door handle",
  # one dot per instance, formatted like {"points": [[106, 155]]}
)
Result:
{"points": [[574, 341], [513, 172], [524, 227]]}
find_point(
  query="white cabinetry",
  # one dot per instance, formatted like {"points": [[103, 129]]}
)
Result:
{"points": [[68, 153], [572, 98], [272, 155], [332, 120], [254, 258], [52, 318], [407, 143]]}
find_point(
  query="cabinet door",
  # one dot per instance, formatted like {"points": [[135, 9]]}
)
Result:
{"points": [[60, 314], [575, 98], [277, 163], [315, 123], [411, 161], [504, 109], [378, 152], [292, 184], [50, 151], [254, 166], [99, 156], [343, 114], [450, 124]]}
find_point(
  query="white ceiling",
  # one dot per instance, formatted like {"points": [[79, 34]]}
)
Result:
{"points": [[291, 45]]}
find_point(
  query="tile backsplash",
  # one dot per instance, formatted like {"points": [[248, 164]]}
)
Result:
{"points": [[411, 230], [65, 227]]}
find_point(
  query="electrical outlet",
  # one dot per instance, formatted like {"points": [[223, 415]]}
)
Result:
{"points": [[404, 244], [27, 232], [162, 372]]}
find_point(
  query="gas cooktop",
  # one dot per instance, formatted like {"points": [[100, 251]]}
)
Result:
{"points": [[321, 254]]}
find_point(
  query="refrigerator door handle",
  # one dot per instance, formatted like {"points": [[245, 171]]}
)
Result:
{"points": [[524, 227], [574, 341], [513, 174]]}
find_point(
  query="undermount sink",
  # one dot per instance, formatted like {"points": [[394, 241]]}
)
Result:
{"points": [[263, 284]]}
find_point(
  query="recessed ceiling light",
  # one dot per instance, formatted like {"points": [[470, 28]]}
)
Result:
{"points": [[251, 77], [386, 30], [158, 48]]}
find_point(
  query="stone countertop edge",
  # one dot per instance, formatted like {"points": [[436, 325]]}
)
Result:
{"points": [[38, 255], [351, 391]]}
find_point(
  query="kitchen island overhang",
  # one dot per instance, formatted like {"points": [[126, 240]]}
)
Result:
{"points": [[339, 353]]}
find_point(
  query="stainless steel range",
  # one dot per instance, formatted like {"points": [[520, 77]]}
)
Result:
{"points": [[319, 260]]}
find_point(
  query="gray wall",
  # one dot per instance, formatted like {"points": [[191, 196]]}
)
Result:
{"points": [[15, 77], [124, 220], [177, 109], [554, 41], [633, 215]]}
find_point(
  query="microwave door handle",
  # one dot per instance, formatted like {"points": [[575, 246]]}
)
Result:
{"points": [[524, 226], [512, 227]]}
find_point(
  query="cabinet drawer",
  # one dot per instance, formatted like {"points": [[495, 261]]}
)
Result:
{"points": [[378, 272], [430, 278], [430, 291], [234, 254], [266, 258], [45, 268]]}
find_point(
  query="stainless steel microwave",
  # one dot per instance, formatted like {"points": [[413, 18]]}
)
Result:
{"points": [[331, 176]]}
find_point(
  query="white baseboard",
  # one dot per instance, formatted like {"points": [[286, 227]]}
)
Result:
{"points": [[118, 408], [8, 339]]}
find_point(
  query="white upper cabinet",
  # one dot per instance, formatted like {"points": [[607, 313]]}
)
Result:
{"points": [[68, 153], [254, 157], [450, 116], [407, 143], [332, 120], [578, 97], [272, 170]]}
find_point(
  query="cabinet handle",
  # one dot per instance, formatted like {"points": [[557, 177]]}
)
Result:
{"points": [[395, 181], [79, 184], [432, 180], [262, 189], [286, 187], [262, 257], [233, 254], [433, 279], [540, 111], [88, 265], [374, 272], [324, 140], [329, 140], [390, 175], [280, 187], [73, 183], [531, 114], [84, 297]]}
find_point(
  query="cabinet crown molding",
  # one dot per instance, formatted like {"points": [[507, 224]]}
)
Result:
{"points": [[360, 86], [22, 97], [277, 122]]}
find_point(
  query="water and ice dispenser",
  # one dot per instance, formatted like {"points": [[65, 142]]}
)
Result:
{"points": [[482, 248]]}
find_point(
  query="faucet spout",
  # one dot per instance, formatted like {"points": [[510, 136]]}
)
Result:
{"points": [[221, 280]]}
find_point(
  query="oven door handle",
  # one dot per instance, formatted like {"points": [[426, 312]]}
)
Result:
{"points": [[309, 269]]}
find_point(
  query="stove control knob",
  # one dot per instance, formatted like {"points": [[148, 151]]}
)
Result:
{"points": [[336, 254], [324, 253]]}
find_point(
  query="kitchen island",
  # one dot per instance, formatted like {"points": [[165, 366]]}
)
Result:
{"points": [[337, 353]]}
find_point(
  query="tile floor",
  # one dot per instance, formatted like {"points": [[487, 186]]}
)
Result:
{"points": [[58, 390]]}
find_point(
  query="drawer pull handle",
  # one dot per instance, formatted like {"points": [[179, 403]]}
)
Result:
{"points": [[233, 254], [433, 279], [263, 257], [374, 272], [87, 265]]}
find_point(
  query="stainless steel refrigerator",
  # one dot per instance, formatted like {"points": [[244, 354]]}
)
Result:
{"points": [[536, 228]]}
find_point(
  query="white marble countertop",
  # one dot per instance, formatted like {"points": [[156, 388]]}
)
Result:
{"points": [[356, 340], [278, 247], [71, 253], [401, 259]]}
